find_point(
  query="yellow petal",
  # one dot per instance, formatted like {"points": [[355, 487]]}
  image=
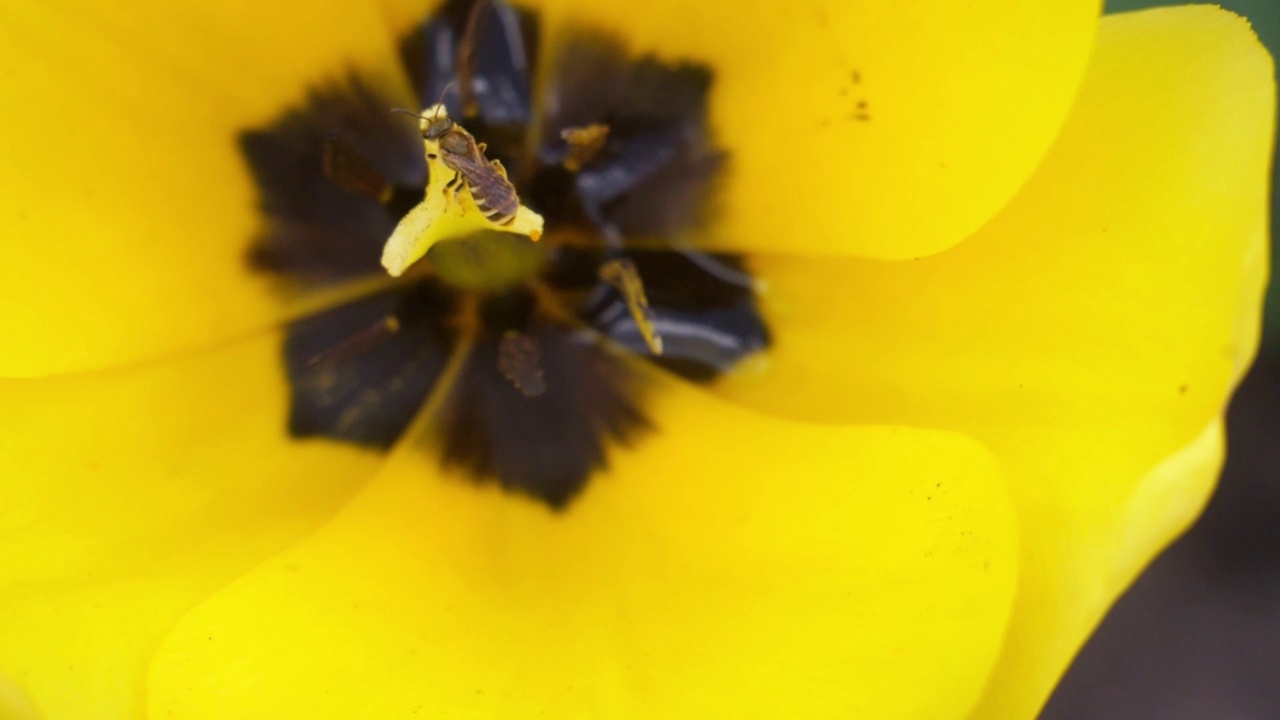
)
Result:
{"points": [[1093, 516], [729, 565], [128, 206], [14, 703], [1125, 278], [961, 101], [1114, 514], [1090, 331], [128, 497]]}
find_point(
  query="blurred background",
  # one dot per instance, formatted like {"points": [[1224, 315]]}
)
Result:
{"points": [[1198, 637]]}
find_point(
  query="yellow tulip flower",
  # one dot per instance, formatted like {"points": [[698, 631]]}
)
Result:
{"points": [[868, 352]]}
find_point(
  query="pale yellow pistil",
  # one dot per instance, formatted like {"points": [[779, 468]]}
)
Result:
{"points": [[445, 213]]}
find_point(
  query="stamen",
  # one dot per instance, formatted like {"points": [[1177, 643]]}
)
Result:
{"points": [[584, 144], [358, 343], [466, 59], [622, 275], [520, 361]]}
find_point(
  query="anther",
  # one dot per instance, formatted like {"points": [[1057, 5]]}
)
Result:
{"points": [[585, 143], [520, 361], [623, 276]]}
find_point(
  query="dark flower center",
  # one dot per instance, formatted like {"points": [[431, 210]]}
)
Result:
{"points": [[541, 390]]}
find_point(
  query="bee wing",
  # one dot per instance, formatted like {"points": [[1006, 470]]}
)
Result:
{"points": [[473, 167], [492, 190]]}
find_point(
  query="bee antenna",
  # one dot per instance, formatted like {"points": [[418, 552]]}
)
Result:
{"points": [[410, 113], [445, 91]]}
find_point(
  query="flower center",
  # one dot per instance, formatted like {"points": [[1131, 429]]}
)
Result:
{"points": [[615, 156]]}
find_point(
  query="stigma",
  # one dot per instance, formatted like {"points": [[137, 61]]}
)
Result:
{"points": [[466, 193]]}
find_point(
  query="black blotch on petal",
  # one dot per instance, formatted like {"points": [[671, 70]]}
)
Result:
{"points": [[546, 446], [354, 379], [368, 393], [511, 310], [704, 307], [595, 80], [573, 268], [624, 164], [671, 200], [654, 176], [318, 230]]}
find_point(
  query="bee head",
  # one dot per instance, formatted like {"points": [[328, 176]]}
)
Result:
{"points": [[435, 122]]}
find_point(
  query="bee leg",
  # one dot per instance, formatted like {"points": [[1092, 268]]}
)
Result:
{"points": [[451, 187]]}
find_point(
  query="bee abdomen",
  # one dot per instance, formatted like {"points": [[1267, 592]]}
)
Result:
{"points": [[500, 212]]}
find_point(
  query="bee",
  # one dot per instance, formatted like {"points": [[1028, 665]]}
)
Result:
{"points": [[486, 179]]}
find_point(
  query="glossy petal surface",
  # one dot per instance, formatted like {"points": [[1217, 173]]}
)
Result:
{"points": [[1128, 267], [128, 207], [812, 571], [888, 129], [1090, 333], [1098, 516], [128, 497]]}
